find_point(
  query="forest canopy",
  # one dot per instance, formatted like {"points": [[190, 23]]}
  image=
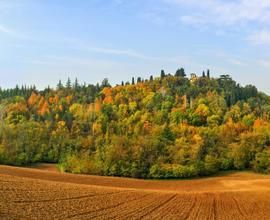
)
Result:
{"points": [[171, 126]]}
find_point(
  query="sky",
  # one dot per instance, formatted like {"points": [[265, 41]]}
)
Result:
{"points": [[44, 41]]}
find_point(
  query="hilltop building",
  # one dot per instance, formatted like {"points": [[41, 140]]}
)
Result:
{"points": [[193, 77]]}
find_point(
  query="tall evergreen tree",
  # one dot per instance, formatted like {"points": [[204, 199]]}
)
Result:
{"points": [[17, 89], [203, 74], [208, 73], [133, 81], [68, 84], [76, 84], [162, 74], [48, 88]]}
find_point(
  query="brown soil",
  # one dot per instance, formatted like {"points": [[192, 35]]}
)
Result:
{"points": [[43, 193], [46, 167]]}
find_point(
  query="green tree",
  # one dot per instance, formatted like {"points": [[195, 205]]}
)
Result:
{"points": [[208, 74], [162, 74], [180, 73], [203, 74], [261, 162], [68, 84], [105, 83], [60, 85], [76, 84]]}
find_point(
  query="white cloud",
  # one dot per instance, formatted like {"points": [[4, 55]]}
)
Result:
{"points": [[130, 53], [226, 13], [231, 58], [193, 20], [260, 37], [5, 30], [154, 18], [264, 63], [12, 33], [236, 62], [54, 60], [8, 7], [118, 52], [227, 17]]}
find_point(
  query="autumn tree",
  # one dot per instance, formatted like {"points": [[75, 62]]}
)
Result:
{"points": [[164, 127]]}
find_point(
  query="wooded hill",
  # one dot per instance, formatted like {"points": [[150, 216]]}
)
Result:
{"points": [[171, 126]]}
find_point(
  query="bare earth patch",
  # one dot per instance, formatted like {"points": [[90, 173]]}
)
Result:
{"points": [[43, 193]]}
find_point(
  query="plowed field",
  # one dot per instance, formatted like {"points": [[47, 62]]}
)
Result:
{"points": [[27, 193]]}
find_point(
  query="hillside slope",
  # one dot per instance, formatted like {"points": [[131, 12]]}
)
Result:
{"points": [[164, 127]]}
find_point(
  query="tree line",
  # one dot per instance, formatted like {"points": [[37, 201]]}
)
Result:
{"points": [[163, 127]]}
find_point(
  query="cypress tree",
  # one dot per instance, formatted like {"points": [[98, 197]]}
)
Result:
{"points": [[162, 74], [203, 74], [208, 73]]}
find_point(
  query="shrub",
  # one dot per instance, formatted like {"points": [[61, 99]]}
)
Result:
{"points": [[77, 164], [226, 163], [211, 165], [169, 171], [261, 164]]}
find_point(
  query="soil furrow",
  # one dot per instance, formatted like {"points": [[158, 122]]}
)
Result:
{"points": [[67, 199], [34, 194], [158, 206], [243, 214], [105, 208]]}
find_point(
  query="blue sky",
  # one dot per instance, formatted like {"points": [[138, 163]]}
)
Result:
{"points": [[44, 41]]}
